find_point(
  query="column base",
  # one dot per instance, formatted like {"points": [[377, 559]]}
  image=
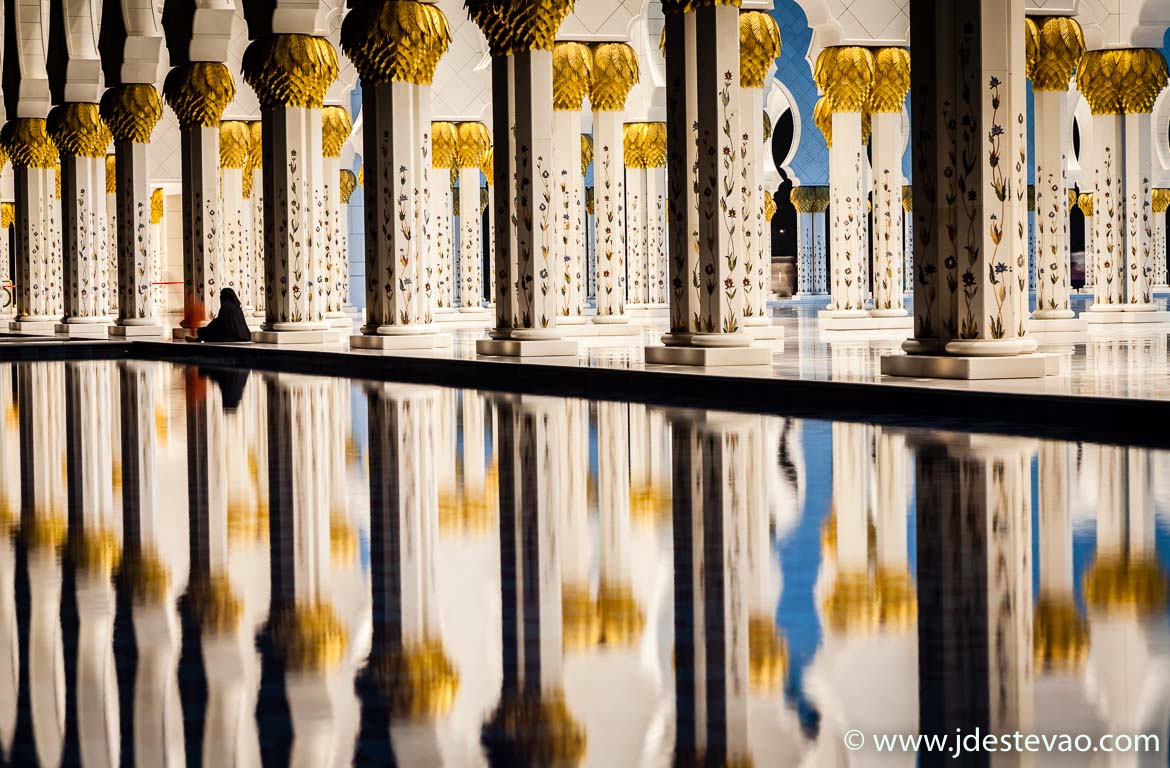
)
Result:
{"points": [[1056, 325], [766, 332], [646, 311], [595, 330], [709, 357], [82, 330], [525, 348], [132, 331], [340, 321], [809, 295], [1026, 366], [1125, 314], [886, 313], [563, 320], [290, 337], [475, 311], [610, 319], [459, 316], [861, 320], [401, 342], [32, 327]]}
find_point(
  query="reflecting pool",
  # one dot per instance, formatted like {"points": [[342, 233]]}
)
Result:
{"points": [[216, 567]]}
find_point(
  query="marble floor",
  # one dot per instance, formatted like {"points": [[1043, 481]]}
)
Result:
{"points": [[1106, 361]]}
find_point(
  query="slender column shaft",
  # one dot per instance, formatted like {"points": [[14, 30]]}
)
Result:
{"points": [[638, 273], [136, 240], [294, 184], [571, 215], [470, 241], [609, 204], [755, 260], [395, 301], [83, 239], [908, 239], [336, 260], [1158, 277], [526, 278], [850, 219], [888, 250], [682, 173], [1139, 232], [1052, 280], [158, 249], [110, 270], [1108, 221], [37, 245], [202, 234], [236, 221], [256, 246], [970, 220], [656, 189]]}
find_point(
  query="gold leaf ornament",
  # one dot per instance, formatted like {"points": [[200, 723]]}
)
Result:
{"points": [[809, 199], [1056, 47], [336, 126], [347, 185], [615, 73], [111, 174], [158, 202], [488, 166], [1085, 203], [586, 152], [198, 92], [572, 75], [7, 215], [823, 117], [235, 143], [759, 45], [77, 129], [891, 80], [290, 70], [1160, 199], [908, 198], [1141, 75], [131, 111], [27, 142], [443, 144], [844, 74], [769, 207], [395, 41], [471, 144]]}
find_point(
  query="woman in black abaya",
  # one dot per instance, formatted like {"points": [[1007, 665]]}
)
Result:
{"points": [[229, 324]]}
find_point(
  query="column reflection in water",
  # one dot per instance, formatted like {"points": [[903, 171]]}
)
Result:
{"points": [[863, 676], [318, 623], [227, 592], [95, 548], [43, 523], [531, 723], [1125, 590], [154, 570], [975, 625], [10, 666], [409, 681]]}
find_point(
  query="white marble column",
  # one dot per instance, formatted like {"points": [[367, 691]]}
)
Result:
{"points": [[158, 250], [615, 72], [711, 627], [1160, 201], [908, 238], [395, 81], [132, 111], [335, 131], [759, 45], [82, 138], [441, 255], [702, 110], [970, 293], [1121, 87], [572, 76], [7, 287], [845, 75], [527, 280], [810, 203], [474, 143], [198, 93], [637, 266], [294, 181], [36, 235], [1057, 47], [256, 246], [891, 84], [235, 139], [111, 269], [347, 186], [1085, 203], [656, 192]]}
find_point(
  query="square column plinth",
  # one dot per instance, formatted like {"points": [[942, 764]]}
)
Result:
{"points": [[709, 357], [526, 348], [1028, 366]]}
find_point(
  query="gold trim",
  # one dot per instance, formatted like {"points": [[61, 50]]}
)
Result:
{"points": [[111, 175], [844, 74], [395, 41], [1055, 49], [891, 80], [472, 143], [572, 75], [759, 45], [77, 130], [290, 70], [615, 73], [158, 202], [444, 142], [198, 92], [131, 111], [336, 126], [235, 139], [347, 185]]}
